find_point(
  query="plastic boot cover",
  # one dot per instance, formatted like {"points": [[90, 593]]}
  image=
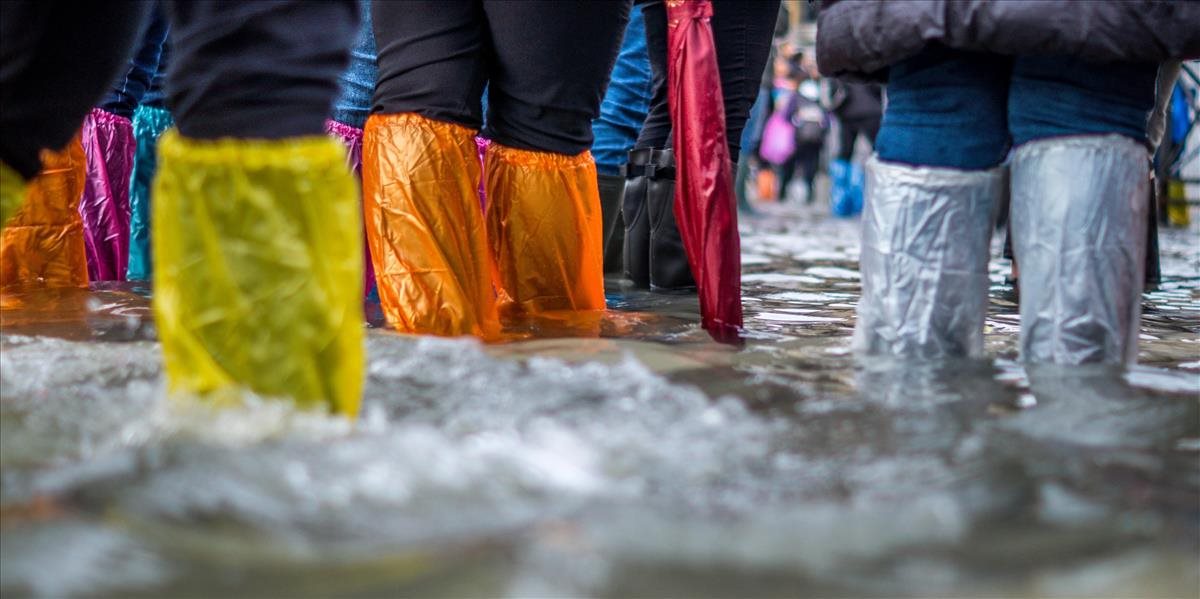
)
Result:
{"points": [[1079, 230], [109, 145], [545, 230], [12, 193], [612, 191], [636, 219], [352, 139], [846, 191], [148, 124], [924, 260], [669, 268], [258, 270], [425, 228], [43, 242]]}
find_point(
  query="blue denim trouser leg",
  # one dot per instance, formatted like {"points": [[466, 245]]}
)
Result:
{"points": [[129, 90], [965, 110]]}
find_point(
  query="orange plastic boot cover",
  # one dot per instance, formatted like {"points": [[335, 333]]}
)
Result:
{"points": [[425, 228], [545, 230], [43, 242]]}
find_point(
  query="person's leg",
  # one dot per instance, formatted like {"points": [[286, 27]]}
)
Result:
{"points": [[421, 169], [149, 120], [742, 34], [847, 135], [784, 174], [258, 264], [931, 194], [553, 60], [149, 123], [622, 112], [1080, 177], [56, 60], [350, 112]]}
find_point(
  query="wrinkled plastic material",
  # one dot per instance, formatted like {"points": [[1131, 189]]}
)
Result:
{"points": [[110, 147], [12, 193], [545, 230], [846, 188], [705, 208], [425, 228], [258, 270], [924, 257], [148, 124], [352, 139], [1079, 231], [42, 243]]}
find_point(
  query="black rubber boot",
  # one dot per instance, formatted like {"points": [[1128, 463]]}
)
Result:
{"points": [[669, 269], [636, 219], [612, 188]]}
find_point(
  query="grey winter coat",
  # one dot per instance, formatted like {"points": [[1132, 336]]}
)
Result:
{"points": [[861, 38]]}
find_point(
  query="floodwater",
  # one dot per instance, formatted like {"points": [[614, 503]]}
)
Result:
{"points": [[622, 456]]}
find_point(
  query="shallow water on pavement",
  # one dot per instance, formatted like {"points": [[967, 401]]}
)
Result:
{"points": [[619, 456]]}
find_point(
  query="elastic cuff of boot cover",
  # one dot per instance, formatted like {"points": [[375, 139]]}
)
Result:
{"points": [[109, 144], [12, 193], [43, 242], [425, 227], [258, 270], [351, 139], [343, 131], [924, 257], [149, 121], [544, 230], [1079, 210]]}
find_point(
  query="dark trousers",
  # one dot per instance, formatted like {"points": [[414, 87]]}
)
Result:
{"points": [[249, 70], [545, 64], [144, 68], [849, 132], [742, 31]]}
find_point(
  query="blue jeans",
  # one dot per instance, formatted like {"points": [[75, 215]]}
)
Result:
{"points": [[626, 101], [142, 80], [358, 80], [965, 110]]}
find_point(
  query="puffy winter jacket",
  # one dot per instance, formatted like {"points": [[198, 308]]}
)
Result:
{"points": [[859, 39]]}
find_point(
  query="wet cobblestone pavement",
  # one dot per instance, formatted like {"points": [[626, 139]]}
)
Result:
{"points": [[615, 456]]}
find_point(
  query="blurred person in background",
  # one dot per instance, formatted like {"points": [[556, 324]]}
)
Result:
{"points": [[859, 109]]}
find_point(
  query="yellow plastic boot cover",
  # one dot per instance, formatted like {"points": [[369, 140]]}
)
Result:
{"points": [[545, 230], [42, 242], [258, 270], [12, 193], [425, 226]]}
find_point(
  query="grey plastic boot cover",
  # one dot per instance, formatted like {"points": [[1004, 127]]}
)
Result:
{"points": [[925, 248], [1079, 231]]}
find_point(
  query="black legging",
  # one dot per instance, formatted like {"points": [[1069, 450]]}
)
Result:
{"points": [[545, 64], [850, 130], [248, 69], [742, 33]]}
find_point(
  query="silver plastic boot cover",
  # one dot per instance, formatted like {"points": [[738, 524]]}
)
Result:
{"points": [[1079, 208], [925, 245]]}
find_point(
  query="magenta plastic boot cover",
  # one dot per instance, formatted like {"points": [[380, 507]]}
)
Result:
{"points": [[109, 145], [352, 138]]}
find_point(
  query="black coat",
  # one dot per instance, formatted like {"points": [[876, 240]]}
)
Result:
{"points": [[859, 39]]}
